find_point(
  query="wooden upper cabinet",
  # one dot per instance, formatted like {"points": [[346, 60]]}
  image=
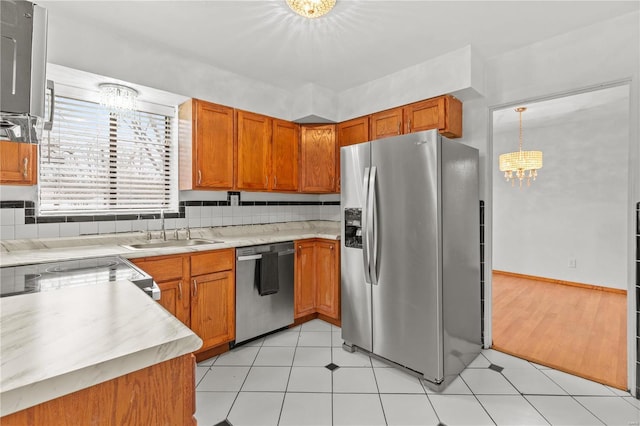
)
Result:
{"points": [[284, 156], [18, 163], [206, 145], [254, 151], [386, 123], [318, 158], [443, 113], [349, 133]]}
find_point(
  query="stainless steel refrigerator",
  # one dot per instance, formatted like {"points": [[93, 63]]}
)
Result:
{"points": [[410, 270]]}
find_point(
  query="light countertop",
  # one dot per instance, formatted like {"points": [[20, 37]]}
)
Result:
{"points": [[24, 252], [58, 342]]}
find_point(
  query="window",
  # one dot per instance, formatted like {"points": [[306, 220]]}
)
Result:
{"points": [[94, 162]]}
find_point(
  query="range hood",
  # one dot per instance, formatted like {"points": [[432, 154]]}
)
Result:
{"points": [[23, 68]]}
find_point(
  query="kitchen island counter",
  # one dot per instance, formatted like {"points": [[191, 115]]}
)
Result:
{"points": [[58, 342]]}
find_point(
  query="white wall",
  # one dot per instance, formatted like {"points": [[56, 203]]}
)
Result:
{"points": [[594, 55], [576, 209], [98, 50]]}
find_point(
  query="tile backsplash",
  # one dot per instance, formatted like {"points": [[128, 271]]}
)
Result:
{"points": [[18, 219]]}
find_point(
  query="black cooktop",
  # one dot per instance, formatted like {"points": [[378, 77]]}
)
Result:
{"points": [[35, 278]]}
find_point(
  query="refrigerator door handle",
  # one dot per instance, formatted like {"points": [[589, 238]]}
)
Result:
{"points": [[373, 234], [365, 224]]}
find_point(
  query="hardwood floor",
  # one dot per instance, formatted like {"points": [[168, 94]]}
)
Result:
{"points": [[577, 330]]}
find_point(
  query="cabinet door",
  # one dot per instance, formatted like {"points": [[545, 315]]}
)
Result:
{"points": [[213, 308], [305, 281], [254, 151], [318, 158], [175, 299], [425, 115], [386, 123], [18, 163], [213, 146], [443, 113], [327, 279], [171, 273], [284, 156], [349, 133]]}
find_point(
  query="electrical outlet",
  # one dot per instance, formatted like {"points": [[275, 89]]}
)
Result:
{"points": [[572, 262], [235, 199]]}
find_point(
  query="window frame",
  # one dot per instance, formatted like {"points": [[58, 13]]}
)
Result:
{"points": [[171, 111]]}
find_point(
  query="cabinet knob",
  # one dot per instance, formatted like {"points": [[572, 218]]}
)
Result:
{"points": [[25, 170]]}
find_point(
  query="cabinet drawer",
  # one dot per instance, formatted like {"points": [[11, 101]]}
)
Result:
{"points": [[161, 270], [213, 261]]}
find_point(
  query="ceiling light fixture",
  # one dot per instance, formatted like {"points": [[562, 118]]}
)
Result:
{"points": [[311, 8], [521, 164], [118, 99]]}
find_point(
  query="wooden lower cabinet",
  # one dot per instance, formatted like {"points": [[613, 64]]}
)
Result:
{"points": [[327, 275], [162, 394], [199, 289], [317, 278], [304, 291], [213, 302]]}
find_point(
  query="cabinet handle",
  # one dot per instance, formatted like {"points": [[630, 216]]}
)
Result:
{"points": [[275, 181], [199, 177], [399, 127], [195, 288], [180, 290], [409, 126], [266, 181], [25, 170]]}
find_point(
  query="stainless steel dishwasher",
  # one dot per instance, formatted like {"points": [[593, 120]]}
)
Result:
{"points": [[255, 314]]}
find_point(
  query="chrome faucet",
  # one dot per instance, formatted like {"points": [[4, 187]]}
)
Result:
{"points": [[163, 234]]}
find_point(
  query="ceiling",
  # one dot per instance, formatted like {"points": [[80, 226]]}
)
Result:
{"points": [[359, 41]]}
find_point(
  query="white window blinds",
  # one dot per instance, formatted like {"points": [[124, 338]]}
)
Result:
{"points": [[93, 162]]}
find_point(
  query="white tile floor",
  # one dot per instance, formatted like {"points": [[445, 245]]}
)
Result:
{"points": [[281, 380]]}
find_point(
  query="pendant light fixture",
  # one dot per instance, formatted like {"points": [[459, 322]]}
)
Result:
{"points": [[311, 8], [521, 165], [118, 99]]}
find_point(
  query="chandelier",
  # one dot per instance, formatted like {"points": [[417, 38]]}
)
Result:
{"points": [[521, 165], [311, 8], [118, 99]]}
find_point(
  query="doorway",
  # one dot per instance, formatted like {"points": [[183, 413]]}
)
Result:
{"points": [[560, 245]]}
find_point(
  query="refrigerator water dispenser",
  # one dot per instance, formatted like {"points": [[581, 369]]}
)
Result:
{"points": [[353, 227]]}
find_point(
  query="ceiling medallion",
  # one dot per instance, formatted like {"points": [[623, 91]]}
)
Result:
{"points": [[311, 8]]}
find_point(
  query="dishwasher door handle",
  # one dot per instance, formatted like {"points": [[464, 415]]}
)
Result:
{"points": [[259, 256]]}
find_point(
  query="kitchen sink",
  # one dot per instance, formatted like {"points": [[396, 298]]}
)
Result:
{"points": [[170, 243]]}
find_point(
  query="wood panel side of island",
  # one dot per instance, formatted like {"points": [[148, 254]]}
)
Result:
{"points": [[162, 394]]}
